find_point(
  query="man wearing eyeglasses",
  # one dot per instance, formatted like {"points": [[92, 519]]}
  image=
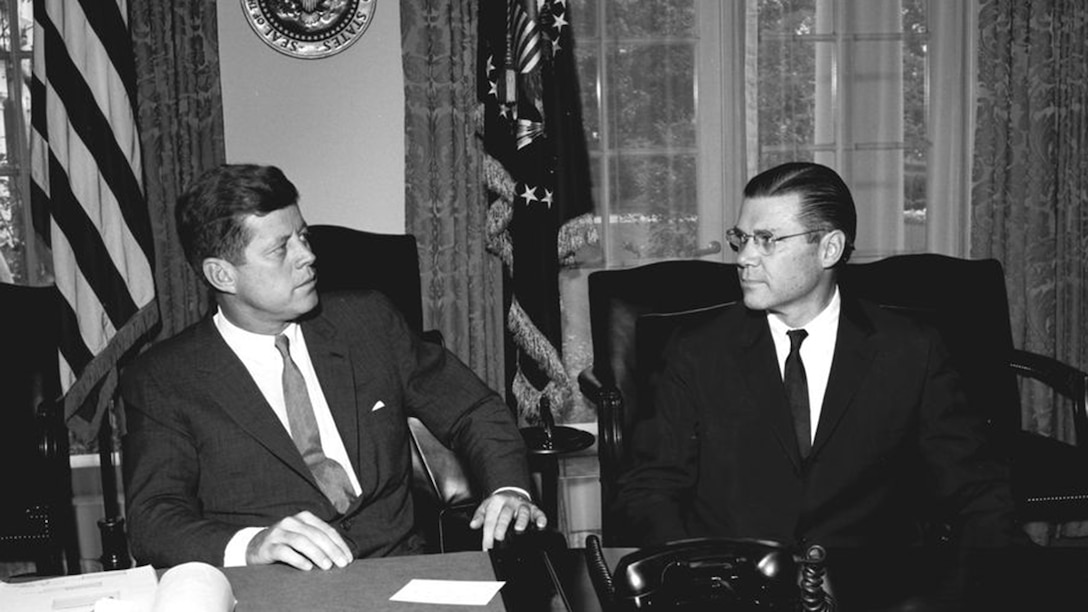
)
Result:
{"points": [[802, 415]]}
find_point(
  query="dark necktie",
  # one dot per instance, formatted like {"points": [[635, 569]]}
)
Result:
{"points": [[330, 475], [797, 391]]}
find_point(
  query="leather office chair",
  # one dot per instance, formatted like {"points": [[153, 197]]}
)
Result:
{"points": [[354, 259], [967, 301], [964, 299], [37, 521], [617, 298]]}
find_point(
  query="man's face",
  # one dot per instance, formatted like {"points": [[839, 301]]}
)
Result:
{"points": [[275, 282], [793, 280]]}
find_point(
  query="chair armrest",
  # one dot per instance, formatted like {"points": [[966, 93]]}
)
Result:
{"points": [[610, 419], [437, 471], [1061, 377], [589, 385], [434, 336], [611, 449], [52, 433]]}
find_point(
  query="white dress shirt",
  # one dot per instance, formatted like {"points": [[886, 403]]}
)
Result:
{"points": [[264, 363], [817, 351]]}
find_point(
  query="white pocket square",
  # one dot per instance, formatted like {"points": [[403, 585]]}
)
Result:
{"points": [[378, 406]]}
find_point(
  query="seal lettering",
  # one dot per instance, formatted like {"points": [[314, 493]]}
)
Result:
{"points": [[309, 29]]}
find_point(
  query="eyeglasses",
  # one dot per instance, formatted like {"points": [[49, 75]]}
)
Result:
{"points": [[765, 241]]}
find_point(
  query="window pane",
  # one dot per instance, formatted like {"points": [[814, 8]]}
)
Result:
{"points": [[915, 113], [652, 95], [584, 18], [788, 16], [11, 250], [787, 98], [26, 23], [588, 66], [650, 18], [653, 207]]}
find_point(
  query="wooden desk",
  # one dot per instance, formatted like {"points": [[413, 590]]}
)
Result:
{"points": [[364, 585]]}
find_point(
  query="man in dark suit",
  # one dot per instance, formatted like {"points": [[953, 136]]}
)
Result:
{"points": [[847, 441], [275, 430]]}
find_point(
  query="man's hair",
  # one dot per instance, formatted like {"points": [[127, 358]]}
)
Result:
{"points": [[826, 202], [210, 214]]}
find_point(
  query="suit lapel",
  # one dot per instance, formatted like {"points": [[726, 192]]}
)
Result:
{"points": [[854, 354], [756, 356], [332, 363], [240, 398]]}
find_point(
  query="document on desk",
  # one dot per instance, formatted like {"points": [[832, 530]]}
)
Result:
{"points": [[79, 593], [449, 592]]}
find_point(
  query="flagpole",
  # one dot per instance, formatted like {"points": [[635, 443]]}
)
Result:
{"points": [[112, 527]]}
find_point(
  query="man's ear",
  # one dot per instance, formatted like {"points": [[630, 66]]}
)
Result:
{"points": [[220, 274], [832, 247]]}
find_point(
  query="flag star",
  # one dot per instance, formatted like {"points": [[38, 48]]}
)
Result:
{"points": [[529, 194], [490, 64], [560, 23], [494, 90], [548, 197], [504, 110]]}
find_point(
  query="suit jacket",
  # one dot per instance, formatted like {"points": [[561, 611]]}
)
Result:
{"points": [[205, 454], [895, 443]]}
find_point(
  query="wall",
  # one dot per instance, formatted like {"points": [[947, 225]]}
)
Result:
{"points": [[334, 125]]}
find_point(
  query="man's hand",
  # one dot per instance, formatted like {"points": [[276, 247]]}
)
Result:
{"points": [[302, 541], [496, 512]]}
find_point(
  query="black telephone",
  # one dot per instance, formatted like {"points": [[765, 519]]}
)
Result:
{"points": [[711, 574]]}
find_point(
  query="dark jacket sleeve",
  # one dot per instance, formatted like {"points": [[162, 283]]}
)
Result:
{"points": [[165, 521], [653, 495], [968, 474]]}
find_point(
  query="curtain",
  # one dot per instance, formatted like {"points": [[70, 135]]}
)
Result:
{"points": [[1030, 201], [444, 194], [180, 109]]}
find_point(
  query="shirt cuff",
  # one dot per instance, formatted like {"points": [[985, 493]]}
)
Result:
{"points": [[515, 490], [235, 553]]}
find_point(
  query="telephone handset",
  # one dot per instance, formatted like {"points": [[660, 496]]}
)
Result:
{"points": [[711, 573]]}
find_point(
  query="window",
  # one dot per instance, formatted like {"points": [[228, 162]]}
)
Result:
{"points": [[686, 99], [638, 62], [16, 231]]}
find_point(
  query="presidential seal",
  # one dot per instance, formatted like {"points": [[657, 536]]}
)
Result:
{"points": [[309, 29]]}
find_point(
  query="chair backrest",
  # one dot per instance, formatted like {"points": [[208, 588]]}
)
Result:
{"points": [[617, 298], [35, 508], [354, 259], [967, 302]]}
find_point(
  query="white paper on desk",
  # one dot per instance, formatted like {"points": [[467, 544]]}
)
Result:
{"points": [[79, 593], [453, 592]]}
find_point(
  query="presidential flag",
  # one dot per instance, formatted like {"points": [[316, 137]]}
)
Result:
{"points": [[537, 171], [87, 195]]}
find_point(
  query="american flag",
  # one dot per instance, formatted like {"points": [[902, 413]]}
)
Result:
{"points": [[538, 174], [87, 195]]}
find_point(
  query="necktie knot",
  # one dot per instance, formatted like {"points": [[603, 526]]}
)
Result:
{"points": [[283, 345], [797, 336]]}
